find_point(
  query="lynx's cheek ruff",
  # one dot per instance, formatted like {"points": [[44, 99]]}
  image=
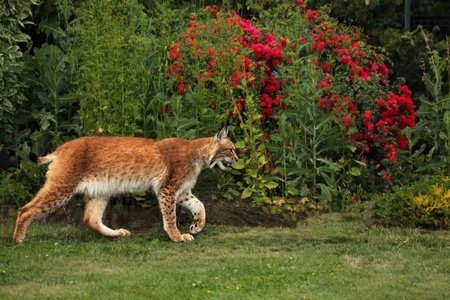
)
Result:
{"points": [[102, 167]]}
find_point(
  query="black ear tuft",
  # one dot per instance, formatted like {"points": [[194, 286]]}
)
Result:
{"points": [[223, 133], [33, 157]]}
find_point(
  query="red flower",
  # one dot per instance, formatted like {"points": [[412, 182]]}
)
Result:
{"points": [[275, 62], [345, 59], [258, 50], [269, 39], [384, 69], [164, 109]]}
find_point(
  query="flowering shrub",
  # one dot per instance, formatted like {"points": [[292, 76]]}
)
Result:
{"points": [[433, 208], [356, 91], [304, 80], [226, 57]]}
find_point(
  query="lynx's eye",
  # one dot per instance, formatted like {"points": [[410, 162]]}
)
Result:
{"points": [[229, 151]]}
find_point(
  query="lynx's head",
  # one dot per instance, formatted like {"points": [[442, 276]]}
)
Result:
{"points": [[223, 150]]}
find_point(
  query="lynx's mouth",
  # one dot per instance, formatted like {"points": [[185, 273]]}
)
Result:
{"points": [[222, 164], [227, 164]]}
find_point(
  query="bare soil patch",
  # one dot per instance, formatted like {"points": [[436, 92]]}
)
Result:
{"points": [[131, 214]]}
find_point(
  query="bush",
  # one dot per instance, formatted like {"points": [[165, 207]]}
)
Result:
{"points": [[310, 102], [19, 185], [426, 203], [13, 18]]}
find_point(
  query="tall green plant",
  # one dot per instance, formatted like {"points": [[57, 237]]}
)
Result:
{"points": [[52, 106], [111, 47], [256, 183], [308, 138], [433, 129]]}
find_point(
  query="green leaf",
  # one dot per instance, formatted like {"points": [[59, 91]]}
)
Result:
{"points": [[246, 193], [240, 145], [44, 123], [239, 165], [325, 192], [262, 160], [355, 172], [271, 184]]}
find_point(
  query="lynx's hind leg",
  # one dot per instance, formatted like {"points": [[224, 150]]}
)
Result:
{"points": [[197, 210], [95, 208], [47, 199]]}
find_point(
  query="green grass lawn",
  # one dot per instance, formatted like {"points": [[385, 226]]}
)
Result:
{"points": [[330, 257]]}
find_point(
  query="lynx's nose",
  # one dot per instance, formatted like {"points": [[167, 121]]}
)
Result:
{"points": [[235, 157]]}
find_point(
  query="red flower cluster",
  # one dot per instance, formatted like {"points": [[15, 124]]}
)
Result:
{"points": [[266, 55]]}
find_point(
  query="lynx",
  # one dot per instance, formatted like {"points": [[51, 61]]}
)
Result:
{"points": [[100, 167]]}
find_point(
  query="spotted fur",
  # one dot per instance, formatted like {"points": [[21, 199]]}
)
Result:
{"points": [[101, 167]]}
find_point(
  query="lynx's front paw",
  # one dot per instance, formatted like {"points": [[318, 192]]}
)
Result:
{"points": [[182, 238], [187, 237]]}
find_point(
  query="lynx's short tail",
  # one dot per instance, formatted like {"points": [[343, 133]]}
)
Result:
{"points": [[42, 160]]}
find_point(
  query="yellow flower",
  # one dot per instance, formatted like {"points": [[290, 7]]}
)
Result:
{"points": [[421, 200], [437, 190]]}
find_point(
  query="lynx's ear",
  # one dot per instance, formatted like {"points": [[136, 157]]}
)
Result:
{"points": [[223, 133]]}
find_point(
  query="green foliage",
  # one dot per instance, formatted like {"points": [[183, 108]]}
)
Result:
{"points": [[303, 152], [426, 202], [19, 185], [432, 133], [256, 184], [52, 107], [114, 57], [371, 14], [14, 16]]}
